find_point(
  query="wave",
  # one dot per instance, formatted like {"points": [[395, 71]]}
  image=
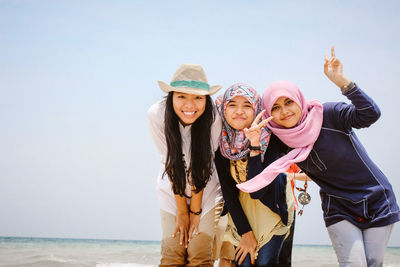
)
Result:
{"points": [[123, 265]]}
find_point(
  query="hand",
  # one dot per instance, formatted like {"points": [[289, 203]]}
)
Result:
{"points": [[248, 244], [181, 227], [194, 225], [254, 132], [333, 69]]}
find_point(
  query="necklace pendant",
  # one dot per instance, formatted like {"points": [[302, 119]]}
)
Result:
{"points": [[304, 198]]}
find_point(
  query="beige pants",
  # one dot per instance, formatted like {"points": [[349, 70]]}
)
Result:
{"points": [[225, 250], [202, 248]]}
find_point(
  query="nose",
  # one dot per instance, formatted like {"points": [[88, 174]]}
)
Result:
{"points": [[239, 110], [189, 103], [284, 110]]}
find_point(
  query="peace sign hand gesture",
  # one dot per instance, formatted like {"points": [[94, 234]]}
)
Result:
{"points": [[333, 69], [254, 132]]}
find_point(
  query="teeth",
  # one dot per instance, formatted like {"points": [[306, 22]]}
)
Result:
{"points": [[188, 113]]}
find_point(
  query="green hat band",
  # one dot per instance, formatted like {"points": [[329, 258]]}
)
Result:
{"points": [[192, 84]]}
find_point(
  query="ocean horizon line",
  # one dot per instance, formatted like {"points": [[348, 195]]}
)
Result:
{"points": [[27, 238]]}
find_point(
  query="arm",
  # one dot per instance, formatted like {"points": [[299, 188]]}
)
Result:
{"points": [[301, 176], [155, 116], [181, 220], [194, 218], [231, 194], [362, 112], [216, 130], [248, 242]]}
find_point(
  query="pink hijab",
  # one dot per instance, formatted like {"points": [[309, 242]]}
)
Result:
{"points": [[301, 137]]}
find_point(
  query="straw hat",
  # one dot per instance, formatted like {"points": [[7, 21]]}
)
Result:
{"points": [[189, 79]]}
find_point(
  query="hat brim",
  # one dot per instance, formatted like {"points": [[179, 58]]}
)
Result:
{"points": [[188, 90]]}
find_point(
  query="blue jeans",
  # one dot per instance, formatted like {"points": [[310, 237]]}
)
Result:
{"points": [[268, 255]]}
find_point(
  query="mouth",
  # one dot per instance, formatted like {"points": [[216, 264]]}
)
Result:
{"points": [[287, 117], [239, 118], [187, 113]]}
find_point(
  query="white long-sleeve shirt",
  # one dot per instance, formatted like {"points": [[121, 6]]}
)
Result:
{"points": [[212, 192]]}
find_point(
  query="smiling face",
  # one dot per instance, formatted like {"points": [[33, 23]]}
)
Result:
{"points": [[286, 112], [239, 113], [188, 107]]}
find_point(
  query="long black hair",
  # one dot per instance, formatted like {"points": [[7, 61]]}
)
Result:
{"points": [[200, 147]]}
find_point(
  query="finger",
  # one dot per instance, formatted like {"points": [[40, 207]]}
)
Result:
{"points": [[252, 258], [254, 128], [190, 233], [331, 60], [185, 239], [238, 253], [175, 231], [181, 236], [270, 118], [333, 51], [242, 257], [237, 249], [326, 59], [196, 230], [258, 117], [326, 66], [264, 122]]}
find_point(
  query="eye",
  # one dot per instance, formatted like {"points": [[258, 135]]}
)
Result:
{"points": [[289, 101], [199, 97], [180, 96], [275, 108], [248, 106]]}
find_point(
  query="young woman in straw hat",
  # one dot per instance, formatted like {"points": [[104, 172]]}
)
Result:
{"points": [[185, 128], [358, 202], [259, 223]]}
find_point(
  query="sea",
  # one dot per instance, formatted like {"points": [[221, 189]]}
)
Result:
{"points": [[61, 252]]}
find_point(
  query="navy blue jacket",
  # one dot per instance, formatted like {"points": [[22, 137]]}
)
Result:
{"points": [[272, 196], [352, 187]]}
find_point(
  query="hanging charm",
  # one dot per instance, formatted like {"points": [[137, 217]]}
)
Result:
{"points": [[304, 197]]}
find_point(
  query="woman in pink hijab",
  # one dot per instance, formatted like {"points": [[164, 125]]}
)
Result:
{"points": [[358, 202]]}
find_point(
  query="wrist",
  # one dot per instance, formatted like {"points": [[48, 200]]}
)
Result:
{"points": [[248, 234], [182, 211], [254, 150], [347, 87], [255, 147], [195, 211], [256, 143], [254, 153], [342, 81]]}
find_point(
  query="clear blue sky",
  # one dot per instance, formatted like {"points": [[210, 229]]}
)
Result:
{"points": [[77, 78]]}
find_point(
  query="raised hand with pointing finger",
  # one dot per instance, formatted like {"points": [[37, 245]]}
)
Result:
{"points": [[254, 132], [333, 69]]}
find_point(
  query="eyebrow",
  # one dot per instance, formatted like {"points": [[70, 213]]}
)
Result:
{"points": [[286, 99], [247, 101]]}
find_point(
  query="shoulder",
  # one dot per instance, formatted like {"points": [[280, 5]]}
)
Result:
{"points": [[156, 110], [217, 117]]}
